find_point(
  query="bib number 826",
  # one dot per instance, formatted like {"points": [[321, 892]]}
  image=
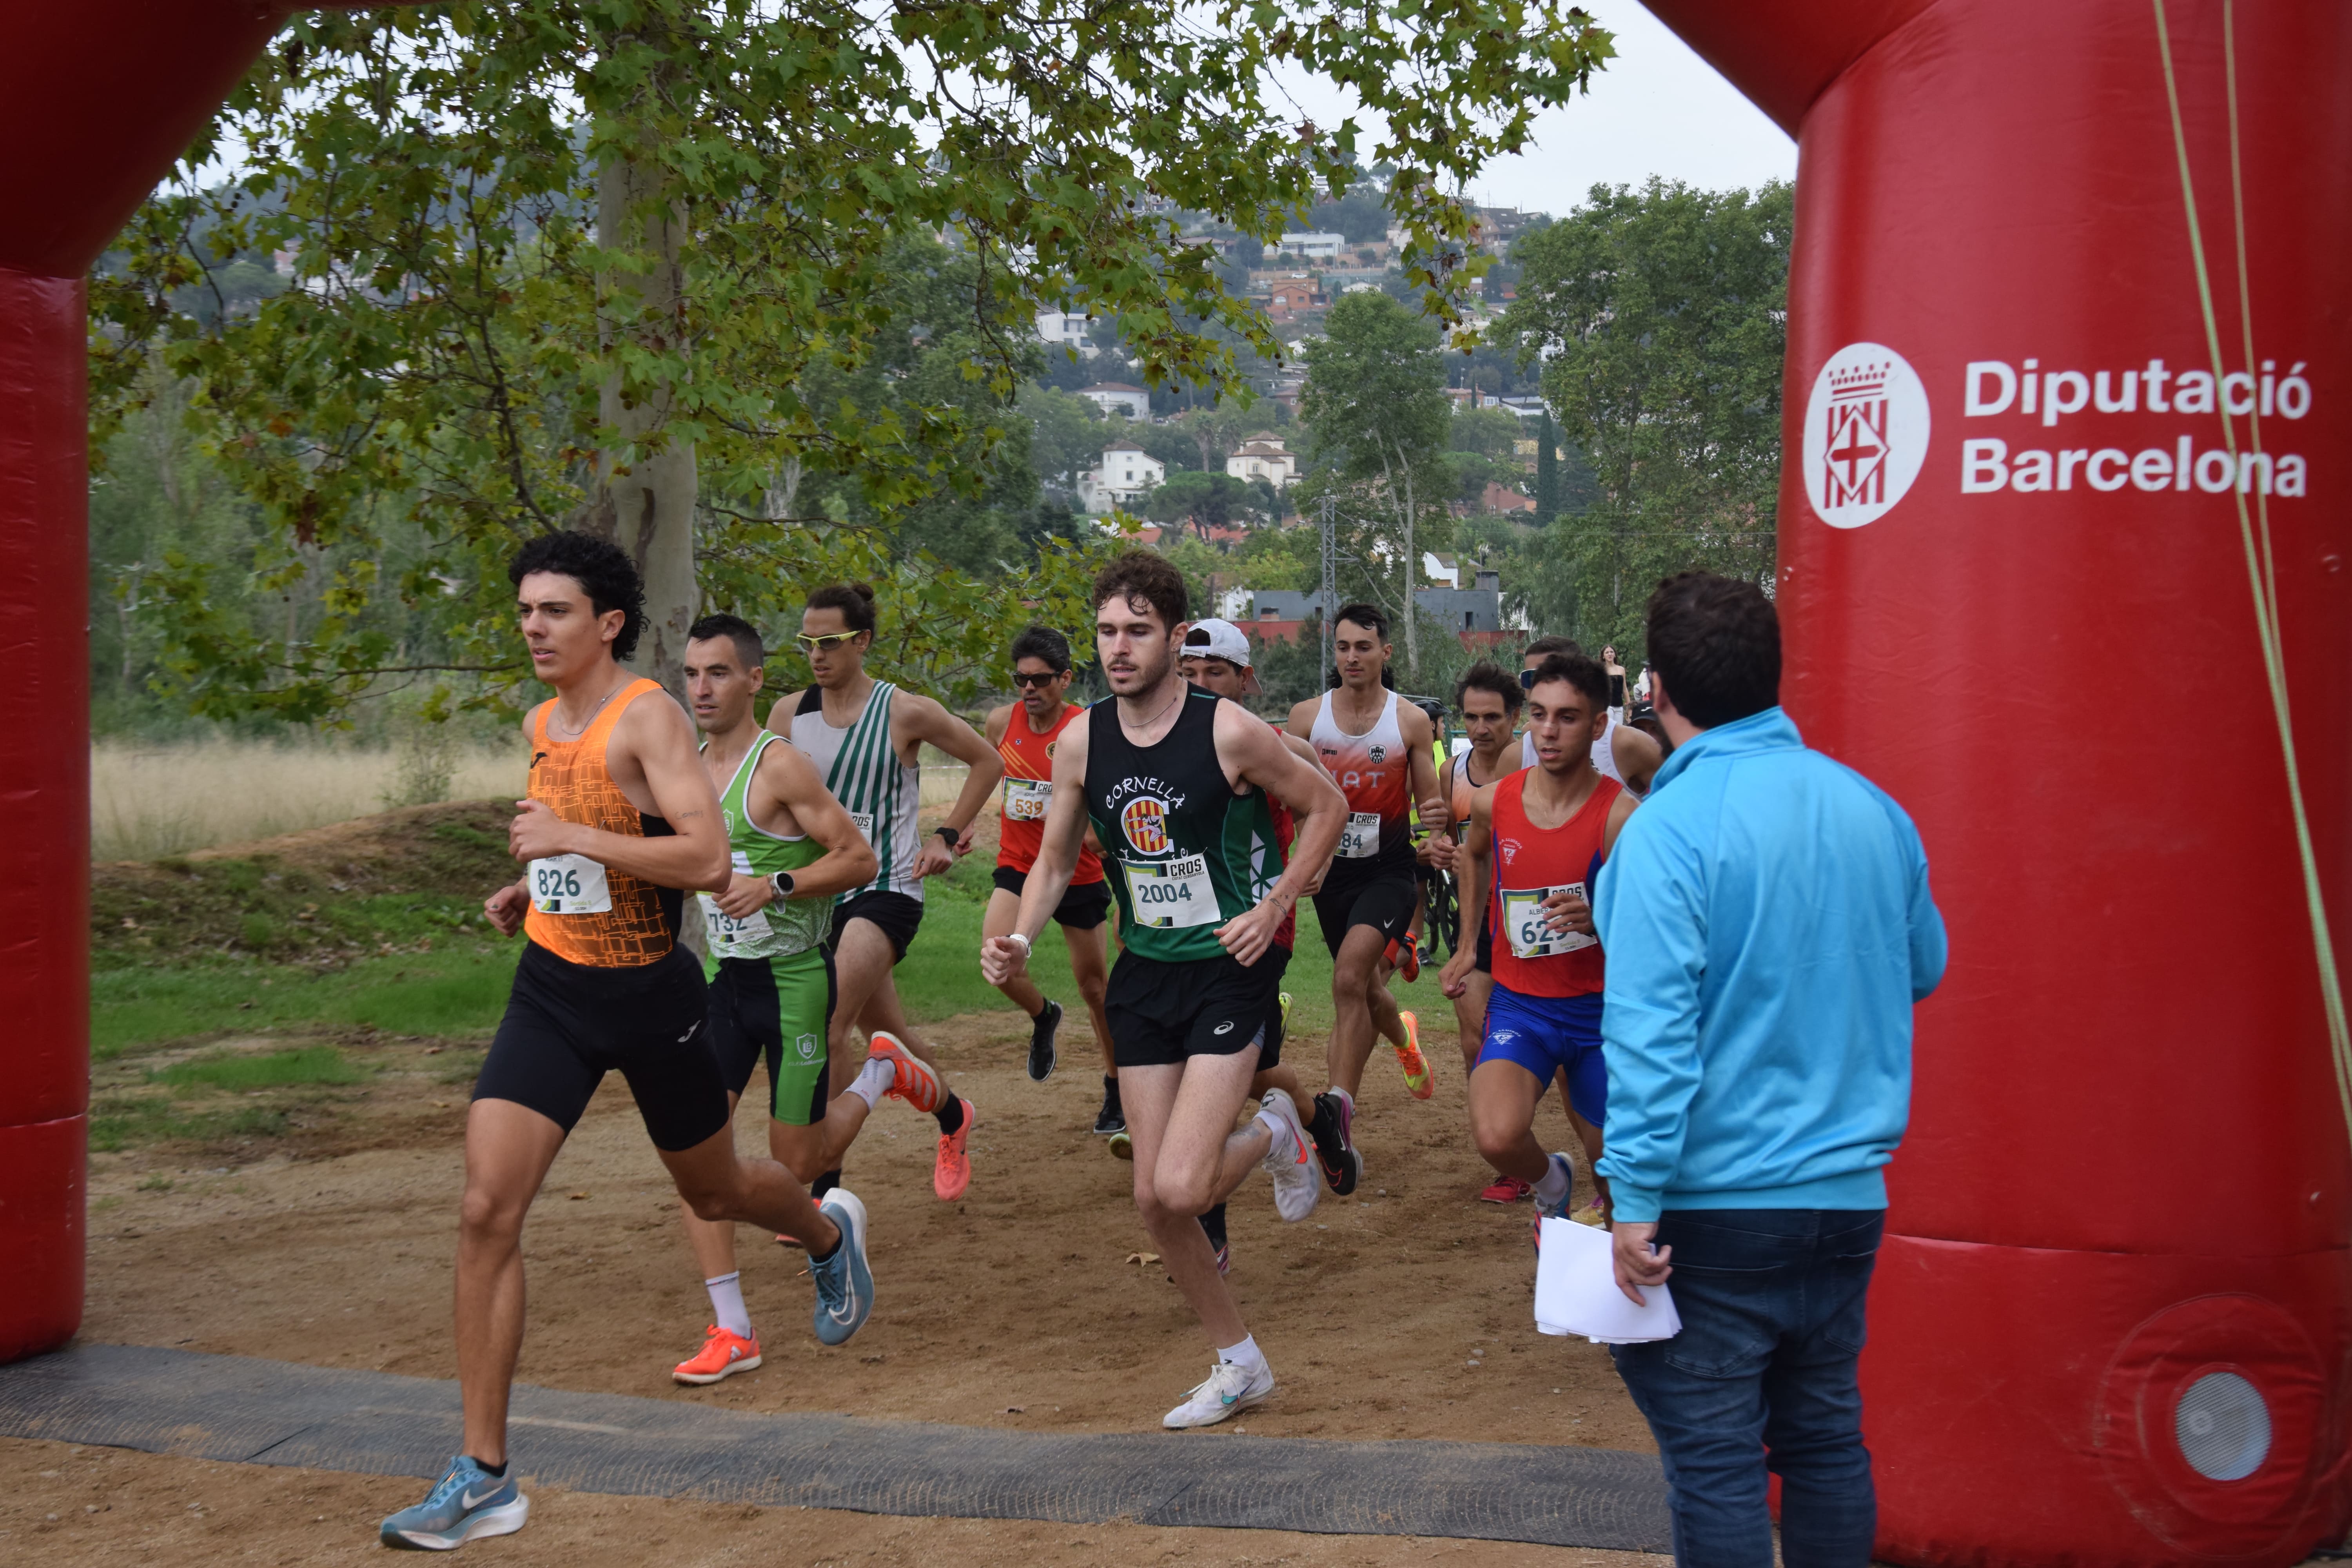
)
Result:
{"points": [[554, 883]]}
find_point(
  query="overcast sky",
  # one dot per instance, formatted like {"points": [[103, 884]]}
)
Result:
{"points": [[1657, 110]]}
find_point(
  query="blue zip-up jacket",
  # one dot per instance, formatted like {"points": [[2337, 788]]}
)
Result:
{"points": [[1769, 927]]}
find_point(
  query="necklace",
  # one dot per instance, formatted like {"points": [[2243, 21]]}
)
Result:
{"points": [[1156, 717], [554, 720]]}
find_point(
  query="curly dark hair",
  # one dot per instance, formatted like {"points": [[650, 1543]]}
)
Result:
{"points": [[1485, 676], [1140, 577], [605, 572]]}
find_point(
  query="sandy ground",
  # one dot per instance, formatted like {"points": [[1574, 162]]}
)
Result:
{"points": [[98, 1506], [1400, 1313]]}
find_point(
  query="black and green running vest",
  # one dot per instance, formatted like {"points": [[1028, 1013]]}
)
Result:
{"points": [[1184, 852]]}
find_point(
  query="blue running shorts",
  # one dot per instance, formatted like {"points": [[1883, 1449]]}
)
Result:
{"points": [[1549, 1034]]}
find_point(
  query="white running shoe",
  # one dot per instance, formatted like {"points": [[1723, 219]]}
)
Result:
{"points": [[1295, 1187], [1232, 1388]]}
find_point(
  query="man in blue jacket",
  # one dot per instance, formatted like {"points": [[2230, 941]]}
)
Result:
{"points": [[1769, 928]]}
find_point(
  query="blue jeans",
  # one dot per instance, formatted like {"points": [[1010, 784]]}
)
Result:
{"points": [[1762, 1376]]}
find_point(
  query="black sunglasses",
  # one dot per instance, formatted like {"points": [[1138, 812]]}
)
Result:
{"points": [[1047, 679]]}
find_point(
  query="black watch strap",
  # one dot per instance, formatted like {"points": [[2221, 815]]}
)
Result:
{"points": [[950, 835]]}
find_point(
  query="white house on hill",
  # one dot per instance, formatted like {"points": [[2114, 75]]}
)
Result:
{"points": [[1263, 457], [1117, 397], [1068, 331], [1127, 475]]}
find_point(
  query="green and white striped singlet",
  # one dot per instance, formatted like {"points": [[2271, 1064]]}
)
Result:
{"points": [[880, 793]]}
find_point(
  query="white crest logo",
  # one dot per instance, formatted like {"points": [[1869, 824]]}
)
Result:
{"points": [[1865, 434]]}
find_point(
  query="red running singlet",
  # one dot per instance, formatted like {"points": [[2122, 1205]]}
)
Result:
{"points": [[1028, 790], [1531, 863]]}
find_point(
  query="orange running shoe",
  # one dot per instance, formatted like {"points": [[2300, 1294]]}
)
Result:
{"points": [[951, 1172], [918, 1084], [722, 1355], [1415, 1065]]}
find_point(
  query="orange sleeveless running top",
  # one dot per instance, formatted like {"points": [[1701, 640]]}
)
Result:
{"points": [[571, 778], [1028, 789]]}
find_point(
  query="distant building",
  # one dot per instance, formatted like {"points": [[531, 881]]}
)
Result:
{"points": [[1474, 615], [1117, 397], [1064, 331], [1502, 498], [1314, 246], [1287, 297], [1127, 473], [1263, 457]]}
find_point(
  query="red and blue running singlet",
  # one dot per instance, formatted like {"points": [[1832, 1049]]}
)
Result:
{"points": [[1530, 864]]}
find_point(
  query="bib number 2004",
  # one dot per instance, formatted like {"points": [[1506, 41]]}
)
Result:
{"points": [[569, 885], [1172, 894]]}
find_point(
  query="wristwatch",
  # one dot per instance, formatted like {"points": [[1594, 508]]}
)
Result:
{"points": [[781, 881], [950, 835]]}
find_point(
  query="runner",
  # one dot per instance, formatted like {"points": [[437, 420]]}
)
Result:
{"points": [[620, 815], [1377, 748], [1620, 751], [1025, 735], [1488, 699], [1217, 660], [1176, 783], [771, 980], [866, 737], [1536, 842]]}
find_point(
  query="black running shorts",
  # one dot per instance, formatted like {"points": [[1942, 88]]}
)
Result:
{"points": [[1385, 903], [1084, 906], [1163, 1014], [895, 915], [567, 1025]]}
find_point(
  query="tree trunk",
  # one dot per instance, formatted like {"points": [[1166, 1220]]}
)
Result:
{"points": [[645, 503], [1410, 612]]}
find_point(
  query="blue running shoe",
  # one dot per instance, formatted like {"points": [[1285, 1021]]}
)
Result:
{"points": [[466, 1503], [845, 1285]]}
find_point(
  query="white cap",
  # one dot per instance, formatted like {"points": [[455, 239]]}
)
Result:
{"points": [[1214, 638]]}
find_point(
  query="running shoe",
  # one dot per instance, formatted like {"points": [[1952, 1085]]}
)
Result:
{"points": [[1112, 1117], [1544, 1211], [1405, 956], [722, 1355], [1295, 1186], [1343, 1163], [844, 1284], [951, 1172], [465, 1505], [917, 1084], [1041, 1041], [1122, 1147], [1593, 1214], [1231, 1389], [1415, 1065], [1225, 1260], [1284, 997], [1212, 1225], [1507, 1190]]}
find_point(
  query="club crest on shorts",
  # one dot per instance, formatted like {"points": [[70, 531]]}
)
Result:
{"points": [[1144, 820], [807, 1045], [1865, 434]]}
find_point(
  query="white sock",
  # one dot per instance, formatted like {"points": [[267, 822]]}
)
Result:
{"points": [[874, 1080], [1245, 1354], [1554, 1186], [727, 1303], [1278, 1131]]}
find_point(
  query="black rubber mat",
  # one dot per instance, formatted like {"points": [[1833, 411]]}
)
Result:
{"points": [[274, 1413]]}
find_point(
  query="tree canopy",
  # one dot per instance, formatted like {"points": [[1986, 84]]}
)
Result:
{"points": [[744, 284]]}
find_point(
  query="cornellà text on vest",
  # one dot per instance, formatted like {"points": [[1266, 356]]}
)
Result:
{"points": [[2035, 396]]}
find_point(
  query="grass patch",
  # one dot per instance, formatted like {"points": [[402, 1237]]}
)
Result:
{"points": [[459, 989], [122, 1121], [312, 1064]]}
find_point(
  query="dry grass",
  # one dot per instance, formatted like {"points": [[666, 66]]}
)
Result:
{"points": [[147, 800]]}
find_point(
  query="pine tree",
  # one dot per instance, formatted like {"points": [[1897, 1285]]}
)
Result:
{"points": [[1547, 474]]}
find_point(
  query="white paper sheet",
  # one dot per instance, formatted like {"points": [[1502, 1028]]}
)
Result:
{"points": [[1575, 1292]]}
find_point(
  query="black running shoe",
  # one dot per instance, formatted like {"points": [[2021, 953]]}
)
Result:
{"points": [[1111, 1118], [1041, 1041], [1342, 1165], [1213, 1225]]}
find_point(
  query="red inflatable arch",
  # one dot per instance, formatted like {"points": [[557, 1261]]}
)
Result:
{"points": [[2114, 1318], [2110, 1324]]}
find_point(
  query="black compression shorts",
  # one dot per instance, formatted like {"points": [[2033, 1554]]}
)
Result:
{"points": [[567, 1025], [896, 915], [1387, 903], [1163, 1014], [1084, 906]]}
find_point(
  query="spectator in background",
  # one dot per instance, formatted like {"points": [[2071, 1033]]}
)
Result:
{"points": [[1769, 928]]}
